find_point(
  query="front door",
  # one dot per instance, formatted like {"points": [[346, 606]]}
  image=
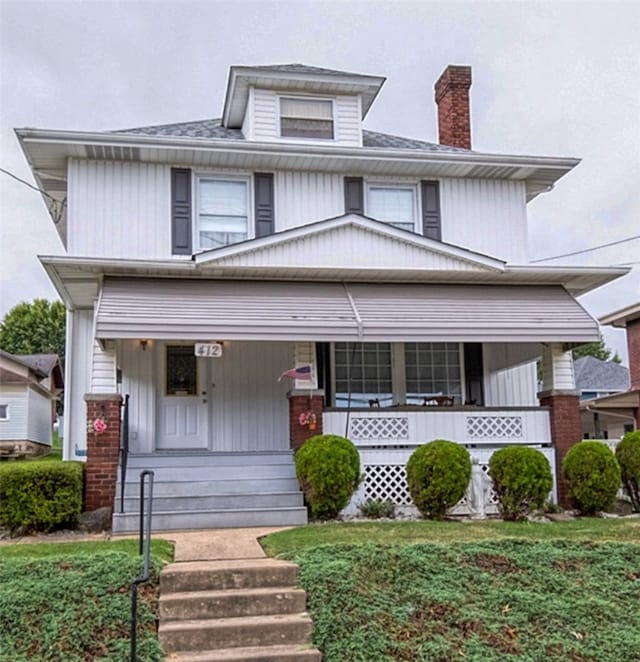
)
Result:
{"points": [[183, 399]]}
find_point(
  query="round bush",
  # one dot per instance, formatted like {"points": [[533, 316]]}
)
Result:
{"points": [[328, 470], [438, 474], [593, 474], [522, 480], [628, 456]]}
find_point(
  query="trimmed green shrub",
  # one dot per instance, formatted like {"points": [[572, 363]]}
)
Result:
{"points": [[628, 456], [40, 496], [328, 470], [521, 479], [376, 509], [593, 475], [438, 474]]}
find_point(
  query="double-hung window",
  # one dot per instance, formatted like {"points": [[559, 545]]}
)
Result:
{"points": [[385, 374], [222, 215], [306, 118], [396, 205]]}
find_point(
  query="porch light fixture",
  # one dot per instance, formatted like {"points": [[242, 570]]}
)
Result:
{"points": [[143, 345]]}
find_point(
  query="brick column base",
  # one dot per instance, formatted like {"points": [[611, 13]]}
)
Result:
{"points": [[301, 402], [566, 431], [102, 450]]}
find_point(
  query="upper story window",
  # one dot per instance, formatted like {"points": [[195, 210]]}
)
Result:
{"points": [[306, 118], [222, 216], [394, 204]]}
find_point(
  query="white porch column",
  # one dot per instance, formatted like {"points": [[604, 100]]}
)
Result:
{"points": [[557, 369]]}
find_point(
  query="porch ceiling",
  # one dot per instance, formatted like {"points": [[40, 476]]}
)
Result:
{"points": [[324, 311]]}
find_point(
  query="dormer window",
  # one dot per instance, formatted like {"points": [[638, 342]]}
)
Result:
{"points": [[306, 118]]}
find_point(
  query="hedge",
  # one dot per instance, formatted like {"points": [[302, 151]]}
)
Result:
{"points": [[628, 456], [40, 496]]}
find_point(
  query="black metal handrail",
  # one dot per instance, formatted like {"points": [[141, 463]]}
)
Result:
{"points": [[144, 547], [124, 448]]}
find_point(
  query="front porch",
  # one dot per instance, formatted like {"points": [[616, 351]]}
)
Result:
{"points": [[387, 438]]}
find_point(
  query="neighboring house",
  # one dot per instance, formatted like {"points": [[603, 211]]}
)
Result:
{"points": [[611, 415], [596, 379], [206, 258], [30, 386]]}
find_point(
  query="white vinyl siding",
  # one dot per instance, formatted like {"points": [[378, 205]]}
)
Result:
{"points": [[264, 125], [222, 211], [15, 398], [119, 210], [103, 371], [40, 423], [485, 215], [396, 205]]}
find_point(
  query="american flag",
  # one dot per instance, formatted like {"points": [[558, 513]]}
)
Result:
{"points": [[302, 372]]}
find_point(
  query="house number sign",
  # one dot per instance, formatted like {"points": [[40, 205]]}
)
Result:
{"points": [[210, 350]]}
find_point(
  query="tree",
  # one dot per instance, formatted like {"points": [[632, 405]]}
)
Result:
{"points": [[34, 328], [598, 350]]}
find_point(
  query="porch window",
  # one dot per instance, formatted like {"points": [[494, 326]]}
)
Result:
{"points": [[384, 374], [181, 375], [432, 369], [4, 412], [306, 118], [395, 205], [362, 374], [222, 213]]}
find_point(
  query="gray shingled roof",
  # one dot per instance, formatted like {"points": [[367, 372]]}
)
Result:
{"points": [[595, 375], [297, 68], [212, 129]]}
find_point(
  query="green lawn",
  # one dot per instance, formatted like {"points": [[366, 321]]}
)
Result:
{"points": [[440, 591], [71, 601]]}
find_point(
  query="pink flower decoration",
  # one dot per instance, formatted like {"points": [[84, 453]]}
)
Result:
{"points": [[99, 426]]}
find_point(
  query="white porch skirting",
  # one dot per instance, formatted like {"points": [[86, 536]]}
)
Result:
{"points": [[386, 439]]}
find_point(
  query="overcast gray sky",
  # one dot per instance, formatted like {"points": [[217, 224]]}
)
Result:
{"points": [[554, 78]]}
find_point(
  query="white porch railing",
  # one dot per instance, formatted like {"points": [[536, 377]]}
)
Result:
{"points": [[386, 439]]}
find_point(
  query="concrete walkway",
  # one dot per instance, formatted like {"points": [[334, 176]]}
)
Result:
{"points": [[218, 544]]}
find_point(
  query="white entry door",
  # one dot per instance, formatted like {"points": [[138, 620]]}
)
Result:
{"points": [[183, 400]]}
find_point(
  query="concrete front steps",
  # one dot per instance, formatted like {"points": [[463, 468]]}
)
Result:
{"points": [[212, 490], [230, 611]]}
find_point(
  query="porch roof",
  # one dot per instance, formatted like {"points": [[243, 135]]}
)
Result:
{"points": [[182, 309]]}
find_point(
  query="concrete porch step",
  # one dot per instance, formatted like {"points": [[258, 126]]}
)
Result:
{"points": [[211, 519], [209, 487], [297, 653], [195, 605], [195, 501], [213, 473], [246, 631], [202, 458], [222, 575]]}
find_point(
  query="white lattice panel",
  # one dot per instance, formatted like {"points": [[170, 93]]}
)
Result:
{"points": [[494, 427], [387, 481], [379, 428]]}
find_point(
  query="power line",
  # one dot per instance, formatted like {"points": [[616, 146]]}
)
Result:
{"points": [[588, 250], [55, 207]]}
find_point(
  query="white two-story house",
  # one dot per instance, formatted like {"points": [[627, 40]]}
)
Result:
{"points": [[206, 258]]}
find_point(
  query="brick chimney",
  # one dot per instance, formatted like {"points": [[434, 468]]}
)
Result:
{"points": [[452, 98]]}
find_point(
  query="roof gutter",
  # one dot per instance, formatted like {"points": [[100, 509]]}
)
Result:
{"points": [[608, 413]]}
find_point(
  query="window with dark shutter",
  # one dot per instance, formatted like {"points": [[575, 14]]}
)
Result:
{"points": [[431, 223], [264, 204], [181, 211], [353, 195]]}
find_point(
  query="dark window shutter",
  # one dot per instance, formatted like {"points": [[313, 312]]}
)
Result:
{"points": [[323, 366], [474, 373], [181, 211], [264, 203], [353, 195], [431, 226]]}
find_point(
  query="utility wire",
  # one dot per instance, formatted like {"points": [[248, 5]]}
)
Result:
{"points": [[55, 207], [588, 250]]}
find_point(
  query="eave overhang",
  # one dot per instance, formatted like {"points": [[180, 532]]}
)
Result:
{"points": [[620, 318], [48, 151]]}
